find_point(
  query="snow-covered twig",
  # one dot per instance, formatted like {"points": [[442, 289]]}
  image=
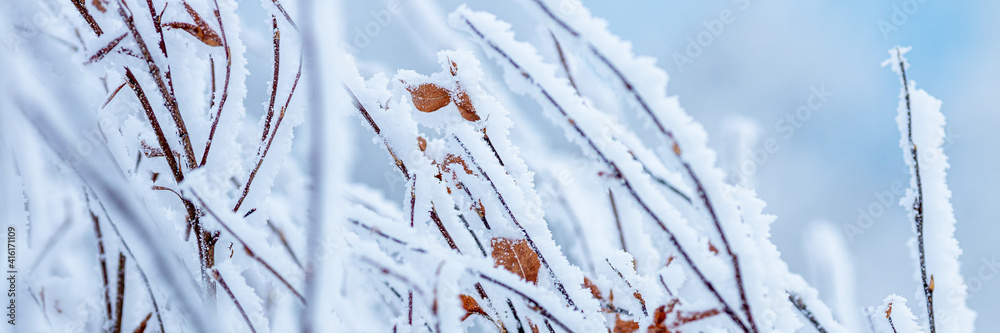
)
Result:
{"points": [[921, 124]]}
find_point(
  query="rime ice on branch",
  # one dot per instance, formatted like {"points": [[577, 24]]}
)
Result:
{"points": [[935, 248]]}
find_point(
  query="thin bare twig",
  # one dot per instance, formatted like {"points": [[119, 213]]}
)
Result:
{"points": [[285, 13], [82, 8], [284, 242], [801, 306], [222, 282], [274, 78], [249, 251], [104, 263], [113, 94], [120, 298], [263, 153], [618, 220], [105, 50], [225, 85], [444, 231], [170, 101], [138, 267], [161, 138], [565, 64], [918, 202]]}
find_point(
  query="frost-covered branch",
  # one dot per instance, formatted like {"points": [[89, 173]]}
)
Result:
{"points": [[921, 125]]}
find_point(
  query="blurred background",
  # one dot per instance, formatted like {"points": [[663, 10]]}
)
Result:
{"points": [[766, 61]]}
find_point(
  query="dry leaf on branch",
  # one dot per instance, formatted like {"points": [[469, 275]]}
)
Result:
{"points": [[642, 301], [687, 317], [421, 143], [471, 306], [464, 105], [534, 327], [204, 34], [452, 159], [429, 97], [517, 257], [200, 29], [587, 283], [625, 326]]}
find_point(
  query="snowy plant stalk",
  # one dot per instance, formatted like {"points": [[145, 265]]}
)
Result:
{"points": [[893, 316], [935, 248], [328, 162], [830, 263]]}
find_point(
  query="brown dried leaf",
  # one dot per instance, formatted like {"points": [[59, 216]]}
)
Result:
{"points": [[534, 327], [421, 143], [480, 209], [517, 257], [593, 288], [638, 296], [150, 151], [464, 105], [99, 4], [888, 311], [625, 326], [687, 317], [429, 97], [660, 315], [142, 325], [471, 306], [452, 159], [202, 33], [713, 249], [659, 318]]}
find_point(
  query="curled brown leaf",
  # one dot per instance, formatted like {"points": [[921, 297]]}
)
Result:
{"points": [[517, 257], [421, 143], [202, 33], [471, 306], [465, 107], [587, 283]]}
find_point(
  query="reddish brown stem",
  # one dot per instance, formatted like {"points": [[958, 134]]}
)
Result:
{"points": [[82, 8], [120, 300], [249, 251], [263, 154], [918, 202], [104, 265], [274, 78], [444, 231], [106, 49], [225, 85], [168, 97], [222, 282]]}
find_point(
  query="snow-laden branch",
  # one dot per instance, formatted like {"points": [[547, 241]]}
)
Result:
{"points": [[921, 124]]}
